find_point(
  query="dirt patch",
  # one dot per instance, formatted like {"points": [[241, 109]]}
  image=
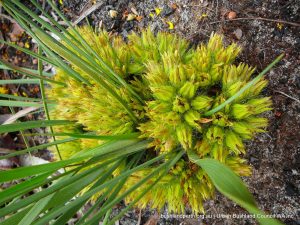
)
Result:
{"points": [[274, 155]]}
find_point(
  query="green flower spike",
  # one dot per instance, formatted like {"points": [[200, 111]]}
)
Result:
{"points": [[178, 85]]}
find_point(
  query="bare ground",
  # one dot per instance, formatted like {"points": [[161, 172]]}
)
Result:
{"points": [[275, 155]]}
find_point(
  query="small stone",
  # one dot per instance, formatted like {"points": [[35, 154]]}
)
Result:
{"points": [[113, 13], [131, 17], [111, 2], [167, 11], [291, 189], [134, 11], [253, 159], [128, 25], [28, 160], [238, 33], [298, 82], [139, 18], [35, 61], [174, 6], [6, 164], [231, 15], [21, 44], [16, 61]]}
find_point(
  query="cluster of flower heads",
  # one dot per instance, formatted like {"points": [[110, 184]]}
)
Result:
{"points": [[178, 85]]}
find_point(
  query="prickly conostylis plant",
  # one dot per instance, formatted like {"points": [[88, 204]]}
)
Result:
{"points": [[179, 86]]}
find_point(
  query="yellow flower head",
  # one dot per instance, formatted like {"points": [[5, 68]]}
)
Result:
{"points": [[178, 85]]}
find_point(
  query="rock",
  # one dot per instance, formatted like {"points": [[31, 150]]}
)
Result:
{"points": [[291, 189], [128, 25], [231, 15], [298, 82], [131, 16], [134, 11], [167, 11], [113, 13], [153, 220], [297, 44], [6, 164], [35, 61], [111, 2], [28, 160], [238, 33]]}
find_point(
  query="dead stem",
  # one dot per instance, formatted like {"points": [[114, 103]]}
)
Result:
{"points": [[280, 92], [258, 18]]}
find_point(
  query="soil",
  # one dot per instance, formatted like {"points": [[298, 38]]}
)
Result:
{"points": [[274, 155]]}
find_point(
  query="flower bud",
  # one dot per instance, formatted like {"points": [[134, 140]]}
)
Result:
{"points": [[163, 93], [180, 105], [215, 133], [243, 129], [202, 147], [215, 43], [184, 135], [256, 123], [216, 72], [238, 165], [221, 119], [174, 75], [230, 53], [260, 105], [191, 117], [188, 90], [257, 87], [240, 111], [234, 88], [234, 142], [202, 102], [218, 152], [204, 79]]}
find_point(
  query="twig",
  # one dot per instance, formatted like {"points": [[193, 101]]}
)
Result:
{"points": [[8, 18], [217, 7], [286, 5], [259, 18], [19, 114], [280, 92], [140, 218], [1, 38], [48, 21], [87, 12]]}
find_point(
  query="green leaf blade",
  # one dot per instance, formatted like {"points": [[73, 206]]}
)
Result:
{"points": [[232, 186], [31, 124]]}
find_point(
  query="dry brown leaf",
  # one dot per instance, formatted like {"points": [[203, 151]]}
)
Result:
{"points": [[153, 220], [238, 33], [21, 113], [134, 11], [205, 120], [16, 32], [139, 18]]}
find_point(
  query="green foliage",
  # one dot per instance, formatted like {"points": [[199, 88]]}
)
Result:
{"points": [[151, 121]]}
